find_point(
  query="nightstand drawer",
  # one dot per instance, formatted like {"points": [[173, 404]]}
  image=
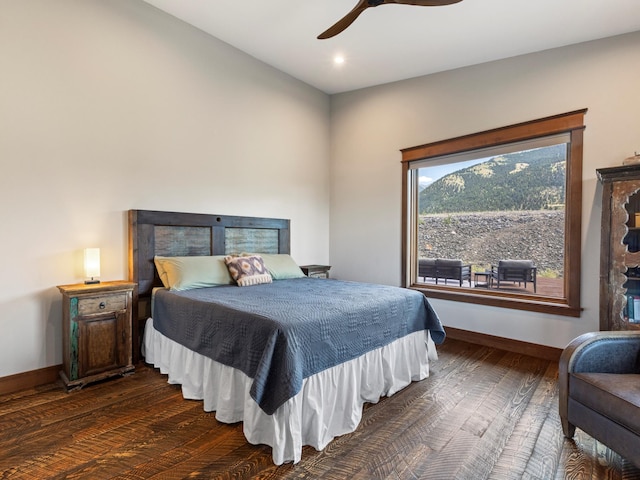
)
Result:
{"points": [[318, 275], [316, 271], [110, 303]]}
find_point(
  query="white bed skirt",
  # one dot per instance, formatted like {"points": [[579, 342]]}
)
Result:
{"points": [[328, 405]]}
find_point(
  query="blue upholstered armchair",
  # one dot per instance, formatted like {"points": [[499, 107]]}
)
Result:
{"points": [[599, 390]]}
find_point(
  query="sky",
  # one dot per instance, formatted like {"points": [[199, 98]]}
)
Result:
{"points": [[428, 175]]}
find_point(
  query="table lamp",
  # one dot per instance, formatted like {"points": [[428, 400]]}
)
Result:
{"points": [[92, 265]]}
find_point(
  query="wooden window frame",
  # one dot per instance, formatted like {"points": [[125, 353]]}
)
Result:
{"points": [[571, 123]]}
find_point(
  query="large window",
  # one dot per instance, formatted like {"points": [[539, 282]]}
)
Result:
{"points": [[494, 217]]}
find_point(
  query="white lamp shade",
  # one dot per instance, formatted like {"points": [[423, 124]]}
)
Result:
{"points": [[92, 263]]}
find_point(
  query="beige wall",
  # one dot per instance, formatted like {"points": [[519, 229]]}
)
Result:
{"points": [[107, 106], [111, 105], [369, 127]]}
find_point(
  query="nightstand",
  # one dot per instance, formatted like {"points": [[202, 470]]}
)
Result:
{"points": [[96, 329], [316, 271]]}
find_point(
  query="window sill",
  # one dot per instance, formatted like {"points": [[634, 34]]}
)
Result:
{"points": [[530, 303]]}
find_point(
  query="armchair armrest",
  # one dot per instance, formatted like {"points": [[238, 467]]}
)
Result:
{"points": [[603, 352]]}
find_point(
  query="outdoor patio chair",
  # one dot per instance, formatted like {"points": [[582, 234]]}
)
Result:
{"points": [[452, 269], [427, 268], [520, 271]]}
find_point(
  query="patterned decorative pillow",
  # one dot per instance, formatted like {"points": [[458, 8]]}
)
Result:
{"points": [[248, 270]]}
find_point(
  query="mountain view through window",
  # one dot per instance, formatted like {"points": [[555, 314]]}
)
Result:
{"points": [[503, 210]]}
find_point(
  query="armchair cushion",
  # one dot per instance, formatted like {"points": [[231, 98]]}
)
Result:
{"points": [[616, 396]]}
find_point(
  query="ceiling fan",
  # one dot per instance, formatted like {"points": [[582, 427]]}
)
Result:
{"points": [[362, 5]]}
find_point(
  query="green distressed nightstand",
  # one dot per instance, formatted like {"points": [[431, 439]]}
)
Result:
{"points": [[96, 329]]}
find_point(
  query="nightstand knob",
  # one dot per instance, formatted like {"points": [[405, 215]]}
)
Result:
{"points": [[102, 305]]}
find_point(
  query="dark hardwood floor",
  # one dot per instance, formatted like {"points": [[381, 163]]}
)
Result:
{"points": [[482, 414]]}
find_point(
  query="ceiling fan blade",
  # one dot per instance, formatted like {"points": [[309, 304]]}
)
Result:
{"points": [[362, 5], [345, 21], [424, 3]]}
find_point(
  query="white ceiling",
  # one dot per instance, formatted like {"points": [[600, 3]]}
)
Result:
{"points": [[395, 42]]}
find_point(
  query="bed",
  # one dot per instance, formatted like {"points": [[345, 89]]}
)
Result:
{"points": [[292, 358]]}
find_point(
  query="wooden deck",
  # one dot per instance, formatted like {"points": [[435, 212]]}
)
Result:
{"points": [[548, 287], [482, 414]]}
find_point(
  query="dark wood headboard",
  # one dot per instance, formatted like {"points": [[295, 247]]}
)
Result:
{"points": [[172, 234]]}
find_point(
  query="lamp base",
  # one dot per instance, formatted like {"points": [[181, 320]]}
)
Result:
{"points": [[91, 282]]}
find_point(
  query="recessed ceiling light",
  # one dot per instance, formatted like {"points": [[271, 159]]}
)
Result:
{"points": [[338, 59]]}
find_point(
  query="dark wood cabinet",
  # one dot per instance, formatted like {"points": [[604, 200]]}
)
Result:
{"points": [[96, 332], [620, 248], [316, 271]]}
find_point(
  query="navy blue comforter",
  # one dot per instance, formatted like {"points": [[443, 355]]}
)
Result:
{"points": [[282, 332]]}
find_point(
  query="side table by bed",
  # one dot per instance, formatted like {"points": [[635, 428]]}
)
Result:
{"points": [[96, 329], [316, 271]]}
